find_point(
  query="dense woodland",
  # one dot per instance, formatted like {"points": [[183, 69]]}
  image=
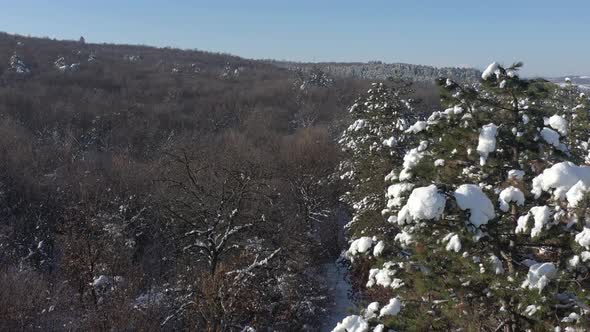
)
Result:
{"points": [[155, 188]]}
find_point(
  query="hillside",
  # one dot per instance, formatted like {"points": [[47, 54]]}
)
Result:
{"points": [[178, 91], [137, 184], [40, 55]]}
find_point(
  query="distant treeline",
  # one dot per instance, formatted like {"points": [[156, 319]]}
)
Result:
{"points": [[376, 70]]}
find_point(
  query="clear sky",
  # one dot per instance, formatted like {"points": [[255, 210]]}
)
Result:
{"points": [[551, 37]]}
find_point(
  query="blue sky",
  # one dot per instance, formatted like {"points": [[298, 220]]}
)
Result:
{"points": [[551, 37]]}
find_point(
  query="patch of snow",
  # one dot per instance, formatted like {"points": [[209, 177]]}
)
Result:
{"points": [[456, 110], [379, 328], [583, 238], [405, 174], [471, 197], [62, 66], [487, 141], [391, 309], [360, 245], [531, 310], [101, 281], [358, 125], [414, 156], [439, 162], [492, 69], [550, 136], [132, 58], [424, 203], [522, 224], [496, 264], [379, 248], [384, 277], [558, 123], [539, 276], [395, 191], [391, 176], [576, 193], [510, 194], [352, 323], [454, 243], [560, 177], [148, 299], [372, 310], [417, 127], [571, 318], [17, 65], [404, 238], [541, 216], [516, 174], [574, 261]]}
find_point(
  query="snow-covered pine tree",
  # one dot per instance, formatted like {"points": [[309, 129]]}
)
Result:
{"points": [[492, 210], [371, 145]]}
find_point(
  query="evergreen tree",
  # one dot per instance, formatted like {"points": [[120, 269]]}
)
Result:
{"points": [[489, 204], [371, 144]]}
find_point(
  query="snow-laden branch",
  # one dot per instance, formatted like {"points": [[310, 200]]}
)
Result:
{"points": [[256, 264], [176, 313]]}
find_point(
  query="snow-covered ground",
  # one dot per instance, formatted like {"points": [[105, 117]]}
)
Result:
{"points": [[339, 288], [336, 278]]}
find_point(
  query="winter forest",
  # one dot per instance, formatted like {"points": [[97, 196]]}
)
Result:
{"points": [[160, 189]]}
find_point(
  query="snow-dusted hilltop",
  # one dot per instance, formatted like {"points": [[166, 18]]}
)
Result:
{"points": [[20, 54], [582, 81], [475, 217]]}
